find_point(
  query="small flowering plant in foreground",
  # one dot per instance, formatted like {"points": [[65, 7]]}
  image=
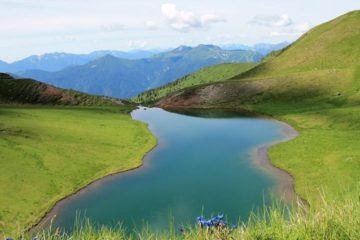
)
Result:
{"points": [[217, 222]]}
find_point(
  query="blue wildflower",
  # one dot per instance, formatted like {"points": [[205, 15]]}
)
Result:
{"points": [[208, 223], [200, 218], [214, 222], [203, 223]]}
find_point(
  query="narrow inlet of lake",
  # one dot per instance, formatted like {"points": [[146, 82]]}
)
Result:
{"points": [[202, 166]]}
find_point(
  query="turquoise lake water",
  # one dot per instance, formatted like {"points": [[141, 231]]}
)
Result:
{"points": [[201, 166]]}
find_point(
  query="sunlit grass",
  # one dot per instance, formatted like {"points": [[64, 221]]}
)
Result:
{"points": [[206, 75], [47, 153]]}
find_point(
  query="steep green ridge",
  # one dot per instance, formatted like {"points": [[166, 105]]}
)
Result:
{"points": [[28, 91], [206, 75], [332, 45], [314, 84]]}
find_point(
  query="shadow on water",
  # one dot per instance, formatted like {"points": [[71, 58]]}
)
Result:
{"points": [[213, 113]]}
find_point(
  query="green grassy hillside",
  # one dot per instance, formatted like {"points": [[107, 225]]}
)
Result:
{"points": [[206, 75], [314, 84], [28, 91], [48, 153], [332, 45]]}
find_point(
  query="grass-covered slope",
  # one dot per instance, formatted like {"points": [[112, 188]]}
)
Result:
{"points": [[332, 45], [314, 84], [206, 75], [28, 91], [48, 153]]}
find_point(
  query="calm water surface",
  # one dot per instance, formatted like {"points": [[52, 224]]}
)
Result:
{"points": [[202, 165]]}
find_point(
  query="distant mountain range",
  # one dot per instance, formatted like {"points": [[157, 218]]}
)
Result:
{"points": [[126, 74], [124, 78], [57, 61]]}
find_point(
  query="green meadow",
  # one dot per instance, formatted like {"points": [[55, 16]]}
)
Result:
{"points": [[206, 75], [314, 85], [324, 158], [47, 153]]}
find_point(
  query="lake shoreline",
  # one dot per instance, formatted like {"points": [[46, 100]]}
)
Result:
{"points": [[259, 155], [49, 215], [286, 187]]}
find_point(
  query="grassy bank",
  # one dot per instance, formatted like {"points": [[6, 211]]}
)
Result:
{"points": [[332, 220], [314, 85], [47, 153], [325, 156], [206, 75]]}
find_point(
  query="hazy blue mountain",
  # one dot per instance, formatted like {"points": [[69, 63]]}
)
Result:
{"points": [[135, 54], [210, 52], [234, 46], [3, 65], [262, 48], [48, 62], [265, 48], [125, 78], [104, 76], [57, 61]]}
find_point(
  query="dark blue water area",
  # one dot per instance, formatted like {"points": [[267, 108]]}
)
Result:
{"points": [[202, 166]]}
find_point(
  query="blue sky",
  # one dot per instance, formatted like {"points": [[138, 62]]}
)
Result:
{"points": [[79, 26]]}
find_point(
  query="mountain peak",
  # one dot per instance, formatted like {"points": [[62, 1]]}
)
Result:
{"points": [[106, 58], [182, 48], [208, 47], [3, 63]]}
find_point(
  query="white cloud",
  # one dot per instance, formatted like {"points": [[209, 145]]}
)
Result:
{"points": [[60, 24], [65, 38], [295, 30], [271, 20], [137, 44], [112, 27], [184, 21], [70, 38], [211, 18], [151, 25], [283, 25], [302, 27]]}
